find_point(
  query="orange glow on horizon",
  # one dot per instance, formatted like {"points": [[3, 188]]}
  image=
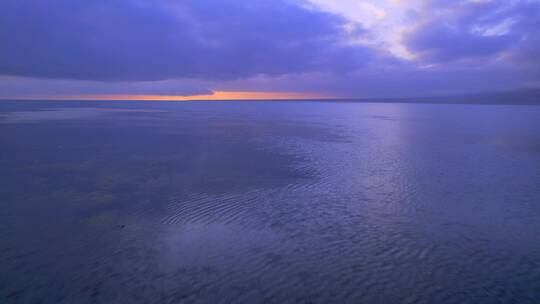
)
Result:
{"points": [[216, 95]]}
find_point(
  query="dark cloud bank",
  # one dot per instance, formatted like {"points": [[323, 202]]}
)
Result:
{"points": [[154, 40]]}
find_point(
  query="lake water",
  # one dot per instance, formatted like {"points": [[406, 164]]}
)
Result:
{"points": [[269, 202]]}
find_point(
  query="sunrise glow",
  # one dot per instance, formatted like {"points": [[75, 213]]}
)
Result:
{"points": [[217, 95]]}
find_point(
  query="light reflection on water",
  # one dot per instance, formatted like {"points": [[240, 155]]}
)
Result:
{"points": [[234, 202]]}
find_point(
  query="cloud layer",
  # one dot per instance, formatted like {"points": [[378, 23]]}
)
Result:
{"points": [[195, 46], [476, 30], [155, 40]]}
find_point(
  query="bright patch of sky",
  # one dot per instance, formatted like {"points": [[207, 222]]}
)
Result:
{"points": [[385, 20]]}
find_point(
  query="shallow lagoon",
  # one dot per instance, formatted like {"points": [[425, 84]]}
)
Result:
{"points": [[269, 202]]}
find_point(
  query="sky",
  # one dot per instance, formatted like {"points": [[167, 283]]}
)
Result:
{"points": [[266, 49]]}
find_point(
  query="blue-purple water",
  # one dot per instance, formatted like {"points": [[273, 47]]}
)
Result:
{"points": [[269, 202]]}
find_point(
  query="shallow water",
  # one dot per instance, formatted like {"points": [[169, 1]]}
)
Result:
{"points": [[269, 202]]}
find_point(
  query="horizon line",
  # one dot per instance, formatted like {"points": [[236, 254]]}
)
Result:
{"points": [[215, 95]]}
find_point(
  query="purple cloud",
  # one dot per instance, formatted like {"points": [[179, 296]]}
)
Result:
{"points": [[25, 87], [153, 40], [184, 47], [459, 31]]}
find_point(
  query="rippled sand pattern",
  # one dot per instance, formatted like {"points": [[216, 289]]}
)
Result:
{"points": [[301, 202]]}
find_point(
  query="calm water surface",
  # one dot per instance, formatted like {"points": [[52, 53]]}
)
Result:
{"points": [[284, 202]]}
